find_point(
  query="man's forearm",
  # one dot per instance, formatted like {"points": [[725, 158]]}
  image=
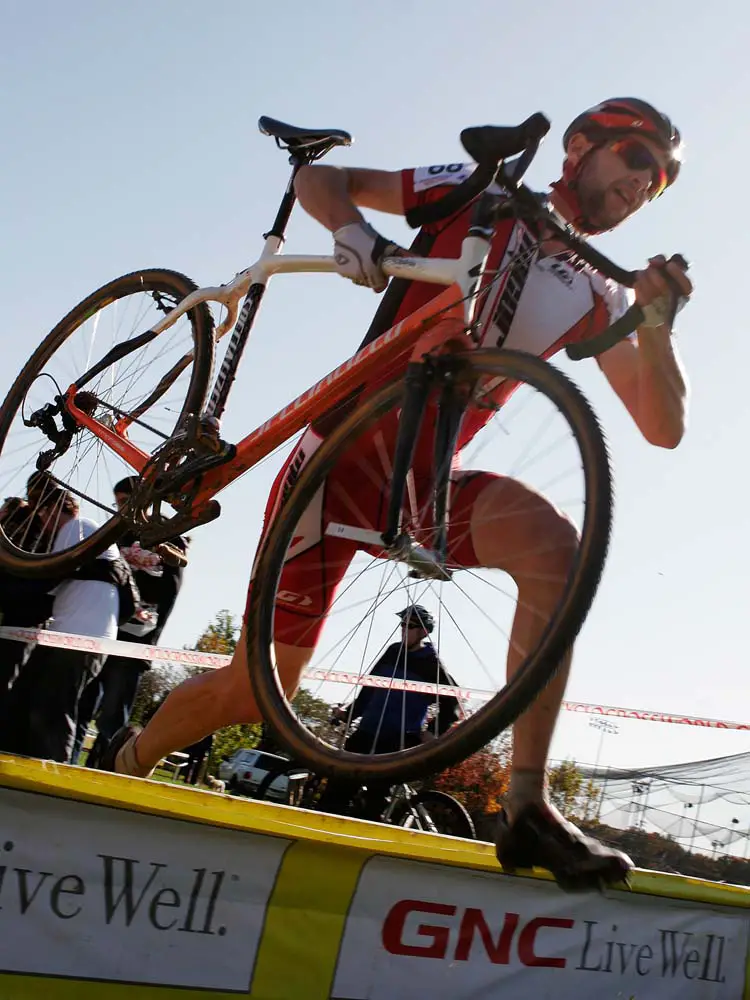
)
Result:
{"points": [[662, 388]]}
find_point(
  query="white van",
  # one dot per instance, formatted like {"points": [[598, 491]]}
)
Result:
{"points": [[245, 770]]}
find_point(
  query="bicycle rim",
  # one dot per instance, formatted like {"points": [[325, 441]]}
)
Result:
{"points": [[152, 387], [447, 814], [494, 705]]}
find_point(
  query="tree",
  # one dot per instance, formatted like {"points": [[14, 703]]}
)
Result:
{"points": [[153, 686], [564, 783], [571, 794], [480, 781], [315, 713], [661, 853], [220, 636]]}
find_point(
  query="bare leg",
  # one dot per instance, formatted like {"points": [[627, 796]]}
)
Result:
{"points": [[203, 704], [519, 531], [516, 529]]}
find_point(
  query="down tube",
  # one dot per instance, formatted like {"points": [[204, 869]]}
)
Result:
{"points": [[228, 371], [371, 360]]}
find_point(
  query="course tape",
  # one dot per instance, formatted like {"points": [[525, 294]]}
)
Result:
{"points": [[212, 661]]}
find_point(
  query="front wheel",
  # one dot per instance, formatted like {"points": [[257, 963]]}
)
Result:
{"points": [[48, 461], [326, 582]]}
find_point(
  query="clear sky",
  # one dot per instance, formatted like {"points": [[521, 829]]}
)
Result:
{"points": [[130, 140]]}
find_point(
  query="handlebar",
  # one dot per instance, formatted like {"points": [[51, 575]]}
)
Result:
{"points": [[491, 146], [488, 145]]}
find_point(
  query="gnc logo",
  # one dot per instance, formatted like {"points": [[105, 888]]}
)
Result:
{"points": [[499, 943]]}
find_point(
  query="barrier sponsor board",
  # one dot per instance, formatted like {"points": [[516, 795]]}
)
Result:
{"points": [[115, 887], [90, 892], [427, 930]]}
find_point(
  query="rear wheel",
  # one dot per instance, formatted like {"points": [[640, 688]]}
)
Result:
{"points": [[563, 463], [150, 387]]}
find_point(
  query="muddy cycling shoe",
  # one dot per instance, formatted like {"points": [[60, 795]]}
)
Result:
{"points": [[109, 754], [538, 838]]}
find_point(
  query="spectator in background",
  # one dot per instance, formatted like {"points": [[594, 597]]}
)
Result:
{"points": [[390, 719], [23, 603], [42, 704], [197, 753], [109, 697]]}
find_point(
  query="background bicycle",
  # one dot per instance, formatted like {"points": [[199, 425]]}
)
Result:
{"points": [[429, 810]]}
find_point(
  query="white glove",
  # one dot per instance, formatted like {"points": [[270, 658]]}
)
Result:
{"points": [[358, 251], [659, 312]]}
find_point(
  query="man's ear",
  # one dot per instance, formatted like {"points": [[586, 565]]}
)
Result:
{"points": [[578, 146]]}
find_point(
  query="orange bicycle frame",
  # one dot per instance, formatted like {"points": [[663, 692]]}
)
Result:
{"points": [[427, 329]]}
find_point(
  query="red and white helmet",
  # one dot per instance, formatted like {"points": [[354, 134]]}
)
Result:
{"points": [[615, 118], [621, 116]]}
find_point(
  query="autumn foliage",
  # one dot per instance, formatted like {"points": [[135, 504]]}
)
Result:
{"points": [[480, 781]]}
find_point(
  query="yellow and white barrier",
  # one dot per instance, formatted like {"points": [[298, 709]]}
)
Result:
{"points": [[113, 887]]}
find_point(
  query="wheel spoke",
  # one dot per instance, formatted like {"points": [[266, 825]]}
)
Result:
{"points": [[473, 607], [87, 467]]}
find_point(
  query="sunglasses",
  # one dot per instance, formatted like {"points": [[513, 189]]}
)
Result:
{"points": [[410, 625], [636, 156]]}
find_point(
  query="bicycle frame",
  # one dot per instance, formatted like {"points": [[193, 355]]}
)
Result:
{"points": [[450, 316], [452, 312]]}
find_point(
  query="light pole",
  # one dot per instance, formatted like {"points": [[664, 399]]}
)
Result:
{"points": [[640, 806], [697, 814], [606, 728], [744, 836], [685, 807]]}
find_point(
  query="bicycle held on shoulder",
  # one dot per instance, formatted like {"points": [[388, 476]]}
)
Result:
{"points": [[123, 386]]}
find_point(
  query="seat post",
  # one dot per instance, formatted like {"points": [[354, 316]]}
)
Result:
{"points": [[278, 228]]}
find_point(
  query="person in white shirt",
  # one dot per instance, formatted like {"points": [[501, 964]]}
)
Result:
{"points": [[84, 607], [109, 698], [43, 702]]}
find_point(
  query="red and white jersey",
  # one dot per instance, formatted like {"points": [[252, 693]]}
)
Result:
{"points": [[538, 304]]}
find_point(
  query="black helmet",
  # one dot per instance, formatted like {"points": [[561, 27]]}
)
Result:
{"points": [[423, 616], [630, 116], [126, 485]]}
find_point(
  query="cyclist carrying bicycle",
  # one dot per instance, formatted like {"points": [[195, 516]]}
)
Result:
{"points": [[619, 155], [394, 719]]}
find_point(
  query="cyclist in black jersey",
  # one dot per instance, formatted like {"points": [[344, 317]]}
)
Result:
{"points": [[392, 719]]}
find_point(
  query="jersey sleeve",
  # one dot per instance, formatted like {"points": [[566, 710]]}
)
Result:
{"points": [[423, 185], [611, 302], [617, 298]]}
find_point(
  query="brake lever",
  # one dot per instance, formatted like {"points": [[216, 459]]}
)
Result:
{"points": [[677, 298], [629, 321]]}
